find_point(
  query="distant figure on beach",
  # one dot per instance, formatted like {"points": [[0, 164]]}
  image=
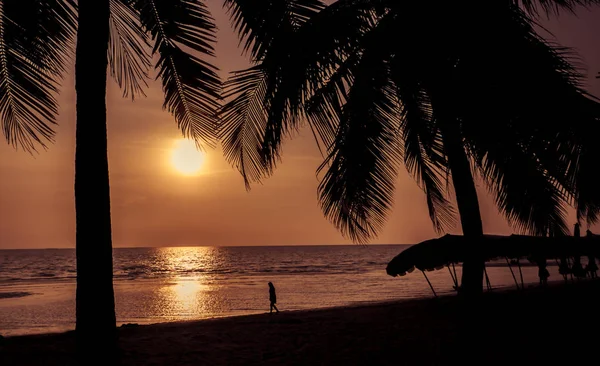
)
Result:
{"points": [[272, 298], [563, 267], [592, 267], [543, 271], [577, 269]]}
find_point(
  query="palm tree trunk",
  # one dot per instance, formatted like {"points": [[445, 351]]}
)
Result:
{"points": [[96, 324], [468, 208]]}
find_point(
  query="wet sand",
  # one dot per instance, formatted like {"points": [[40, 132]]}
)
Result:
{"points": [[552, 326], [12, 295]]}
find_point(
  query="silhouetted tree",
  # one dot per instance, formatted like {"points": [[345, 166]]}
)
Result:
{"points": [[113, 35], [430, 84]]}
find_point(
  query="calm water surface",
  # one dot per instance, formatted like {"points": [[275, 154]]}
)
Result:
{"points": [[37, 287]]}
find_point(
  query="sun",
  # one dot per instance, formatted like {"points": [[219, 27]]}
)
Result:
{"points": [[186, 158]]}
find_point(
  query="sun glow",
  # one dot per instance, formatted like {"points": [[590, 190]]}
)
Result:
{"points": [[186, 158]]}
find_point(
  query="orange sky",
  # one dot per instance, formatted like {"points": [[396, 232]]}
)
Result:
{"points": [[152, 205]]}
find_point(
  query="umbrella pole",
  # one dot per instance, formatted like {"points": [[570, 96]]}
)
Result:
{"points": [[521, 273], [512, 272], [453, 279], [430, 285], [487, 279], [455, 275]]}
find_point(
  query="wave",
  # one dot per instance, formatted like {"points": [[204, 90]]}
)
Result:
{"points": [[157, 263]]}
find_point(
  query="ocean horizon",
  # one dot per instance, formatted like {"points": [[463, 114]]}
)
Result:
{"points": [[216, 246]]}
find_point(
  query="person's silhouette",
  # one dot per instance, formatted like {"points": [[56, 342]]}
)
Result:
{"points": [[577, 269], [543, 273], [272, 298], [592, 267]]}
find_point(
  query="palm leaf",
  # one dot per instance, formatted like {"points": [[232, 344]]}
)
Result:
{"points": [[128, 58], [525, 193], [269, 94], [34, 47], [245, 118], [330, 54], [356, 192], [579, 153], [423, 150], [314, 51], [302, 50], [587, 196], [525, 148], [45, 30], [258, 23], [553, 6], [324, 105], [190, 82]]}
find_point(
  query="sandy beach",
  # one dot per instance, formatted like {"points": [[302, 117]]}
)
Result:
{"points": [[535, 326]]}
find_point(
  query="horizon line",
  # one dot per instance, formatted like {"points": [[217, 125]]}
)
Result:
{"points": [[215, 246]]}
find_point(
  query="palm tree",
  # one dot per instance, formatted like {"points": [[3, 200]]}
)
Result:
{"points": [[382, 82], [115, 36]]}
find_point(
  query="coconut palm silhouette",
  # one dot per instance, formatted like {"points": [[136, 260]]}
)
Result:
{"points": [[426, 85]]}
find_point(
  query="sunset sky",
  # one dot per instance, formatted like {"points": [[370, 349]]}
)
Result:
{"points": [[155, 205]]}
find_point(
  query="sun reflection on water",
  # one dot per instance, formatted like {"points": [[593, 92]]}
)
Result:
{"points": [[182, 299], [190, 293]]}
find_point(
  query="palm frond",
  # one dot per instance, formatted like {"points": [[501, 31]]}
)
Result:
{"points": [[530, 199], [191, 84], [356, 192], [553, 6], [579, 153], [331, 54], [315, 51], [46, 29], [525, 148], [34, 47], [587, 197], [423, 149], [128, 58], [296, 63], [258, 23], [325, 102], [269, 30], [245, 118]]}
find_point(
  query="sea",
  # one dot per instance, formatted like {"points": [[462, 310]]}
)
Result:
{"points": [[154, 285]]}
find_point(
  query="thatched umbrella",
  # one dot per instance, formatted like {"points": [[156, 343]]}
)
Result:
{"points": [[428, 255], [451, 249]]}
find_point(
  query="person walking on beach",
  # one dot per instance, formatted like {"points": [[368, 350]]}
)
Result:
{"points": [[592, 267], [577, 269], [543, 273], [272, 298]]}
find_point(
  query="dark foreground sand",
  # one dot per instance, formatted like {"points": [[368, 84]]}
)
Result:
{"points": [[553, 326]]}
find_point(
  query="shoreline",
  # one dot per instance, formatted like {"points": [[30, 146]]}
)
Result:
{"points": [[253, 313], [536, 325]]}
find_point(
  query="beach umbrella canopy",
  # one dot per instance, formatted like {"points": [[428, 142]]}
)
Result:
{"points": [[436, 253], [428, 255]]}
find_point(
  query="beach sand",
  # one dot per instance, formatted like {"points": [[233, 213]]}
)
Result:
{"points": [[551, 326]]}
